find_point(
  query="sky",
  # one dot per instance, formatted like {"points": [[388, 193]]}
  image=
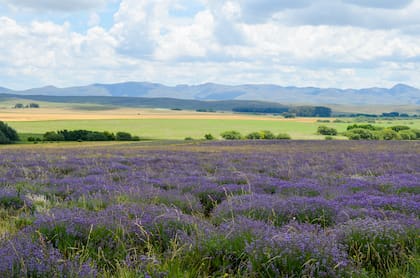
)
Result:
{"points": [[321, 43]]}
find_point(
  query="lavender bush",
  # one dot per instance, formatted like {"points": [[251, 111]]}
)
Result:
{"points": [[231, 208]]}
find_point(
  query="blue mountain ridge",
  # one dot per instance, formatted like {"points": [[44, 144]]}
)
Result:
{"points": [[400, 94]]}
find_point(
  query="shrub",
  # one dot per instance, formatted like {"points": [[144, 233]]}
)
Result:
{"points": [[417, 132], [360, 133], [208, 136], [362, 126], [379, 246], [407, 135], [53, 136], [254, 136], [231, 135], [398, 128], [298, 253], [325, 130], [267, 135], [389, 134], [283, 136], [123, 136], [34, 139], [353, 136], [188, 139]]}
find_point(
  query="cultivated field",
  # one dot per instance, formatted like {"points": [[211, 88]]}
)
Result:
{"points": [[221, 209], [165, 124]]}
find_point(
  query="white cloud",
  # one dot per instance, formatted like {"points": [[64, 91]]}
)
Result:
{"points": [[51, 53], [56, 5], [304, 43], [94, 20], [195, 40]]}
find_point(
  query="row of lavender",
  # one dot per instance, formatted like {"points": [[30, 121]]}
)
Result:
{"points": [[257, 209]]}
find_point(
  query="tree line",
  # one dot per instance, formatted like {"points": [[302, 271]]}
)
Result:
{"points": [[299, 111], [372, 132], [30, 105], [87, 135]]}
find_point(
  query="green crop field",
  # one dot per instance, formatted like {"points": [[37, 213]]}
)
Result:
{"points": [[195, 128], [173, 128]]}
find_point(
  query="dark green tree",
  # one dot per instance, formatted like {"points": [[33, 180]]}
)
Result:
{"points": [[325, 130], [9, 134], [123, 136]]}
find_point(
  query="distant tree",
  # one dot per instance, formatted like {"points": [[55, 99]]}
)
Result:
{"points": [[253, 136], [231, 135], [75, 135], [289, 115], [109, 135], [311, 111], [283, 136], [363, 126], [267, 135], [209, 136], [398, 128], [360, 134], [96, 136], [324, 130], [123, 136], [389, 134], [417, 132], [9, 133], [33, 139], [261, 109], [390, 114], [3, 138], [407, 134], [19, 105], [33, 105], [53, 136]]}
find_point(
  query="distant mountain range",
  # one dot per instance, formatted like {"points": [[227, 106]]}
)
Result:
{"points": [[400, 94]]}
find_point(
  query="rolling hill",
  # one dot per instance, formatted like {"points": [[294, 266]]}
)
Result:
{"points": [[400, 94]]}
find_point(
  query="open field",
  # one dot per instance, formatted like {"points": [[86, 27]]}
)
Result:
{"points": [[179, 128], [174, 128], [153, 123], [214, 209], [164, 123]]}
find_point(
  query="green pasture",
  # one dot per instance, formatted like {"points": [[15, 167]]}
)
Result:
{"points": [[174, 128], [195, 128]]}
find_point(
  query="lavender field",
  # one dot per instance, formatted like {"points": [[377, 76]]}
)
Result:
{"points": [[214, 209]]}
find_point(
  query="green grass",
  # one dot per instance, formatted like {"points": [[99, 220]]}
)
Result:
{"points": [[195, 128], [172, 128]]}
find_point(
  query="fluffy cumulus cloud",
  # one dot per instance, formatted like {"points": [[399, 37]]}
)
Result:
{"points": [[343, 43]]}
